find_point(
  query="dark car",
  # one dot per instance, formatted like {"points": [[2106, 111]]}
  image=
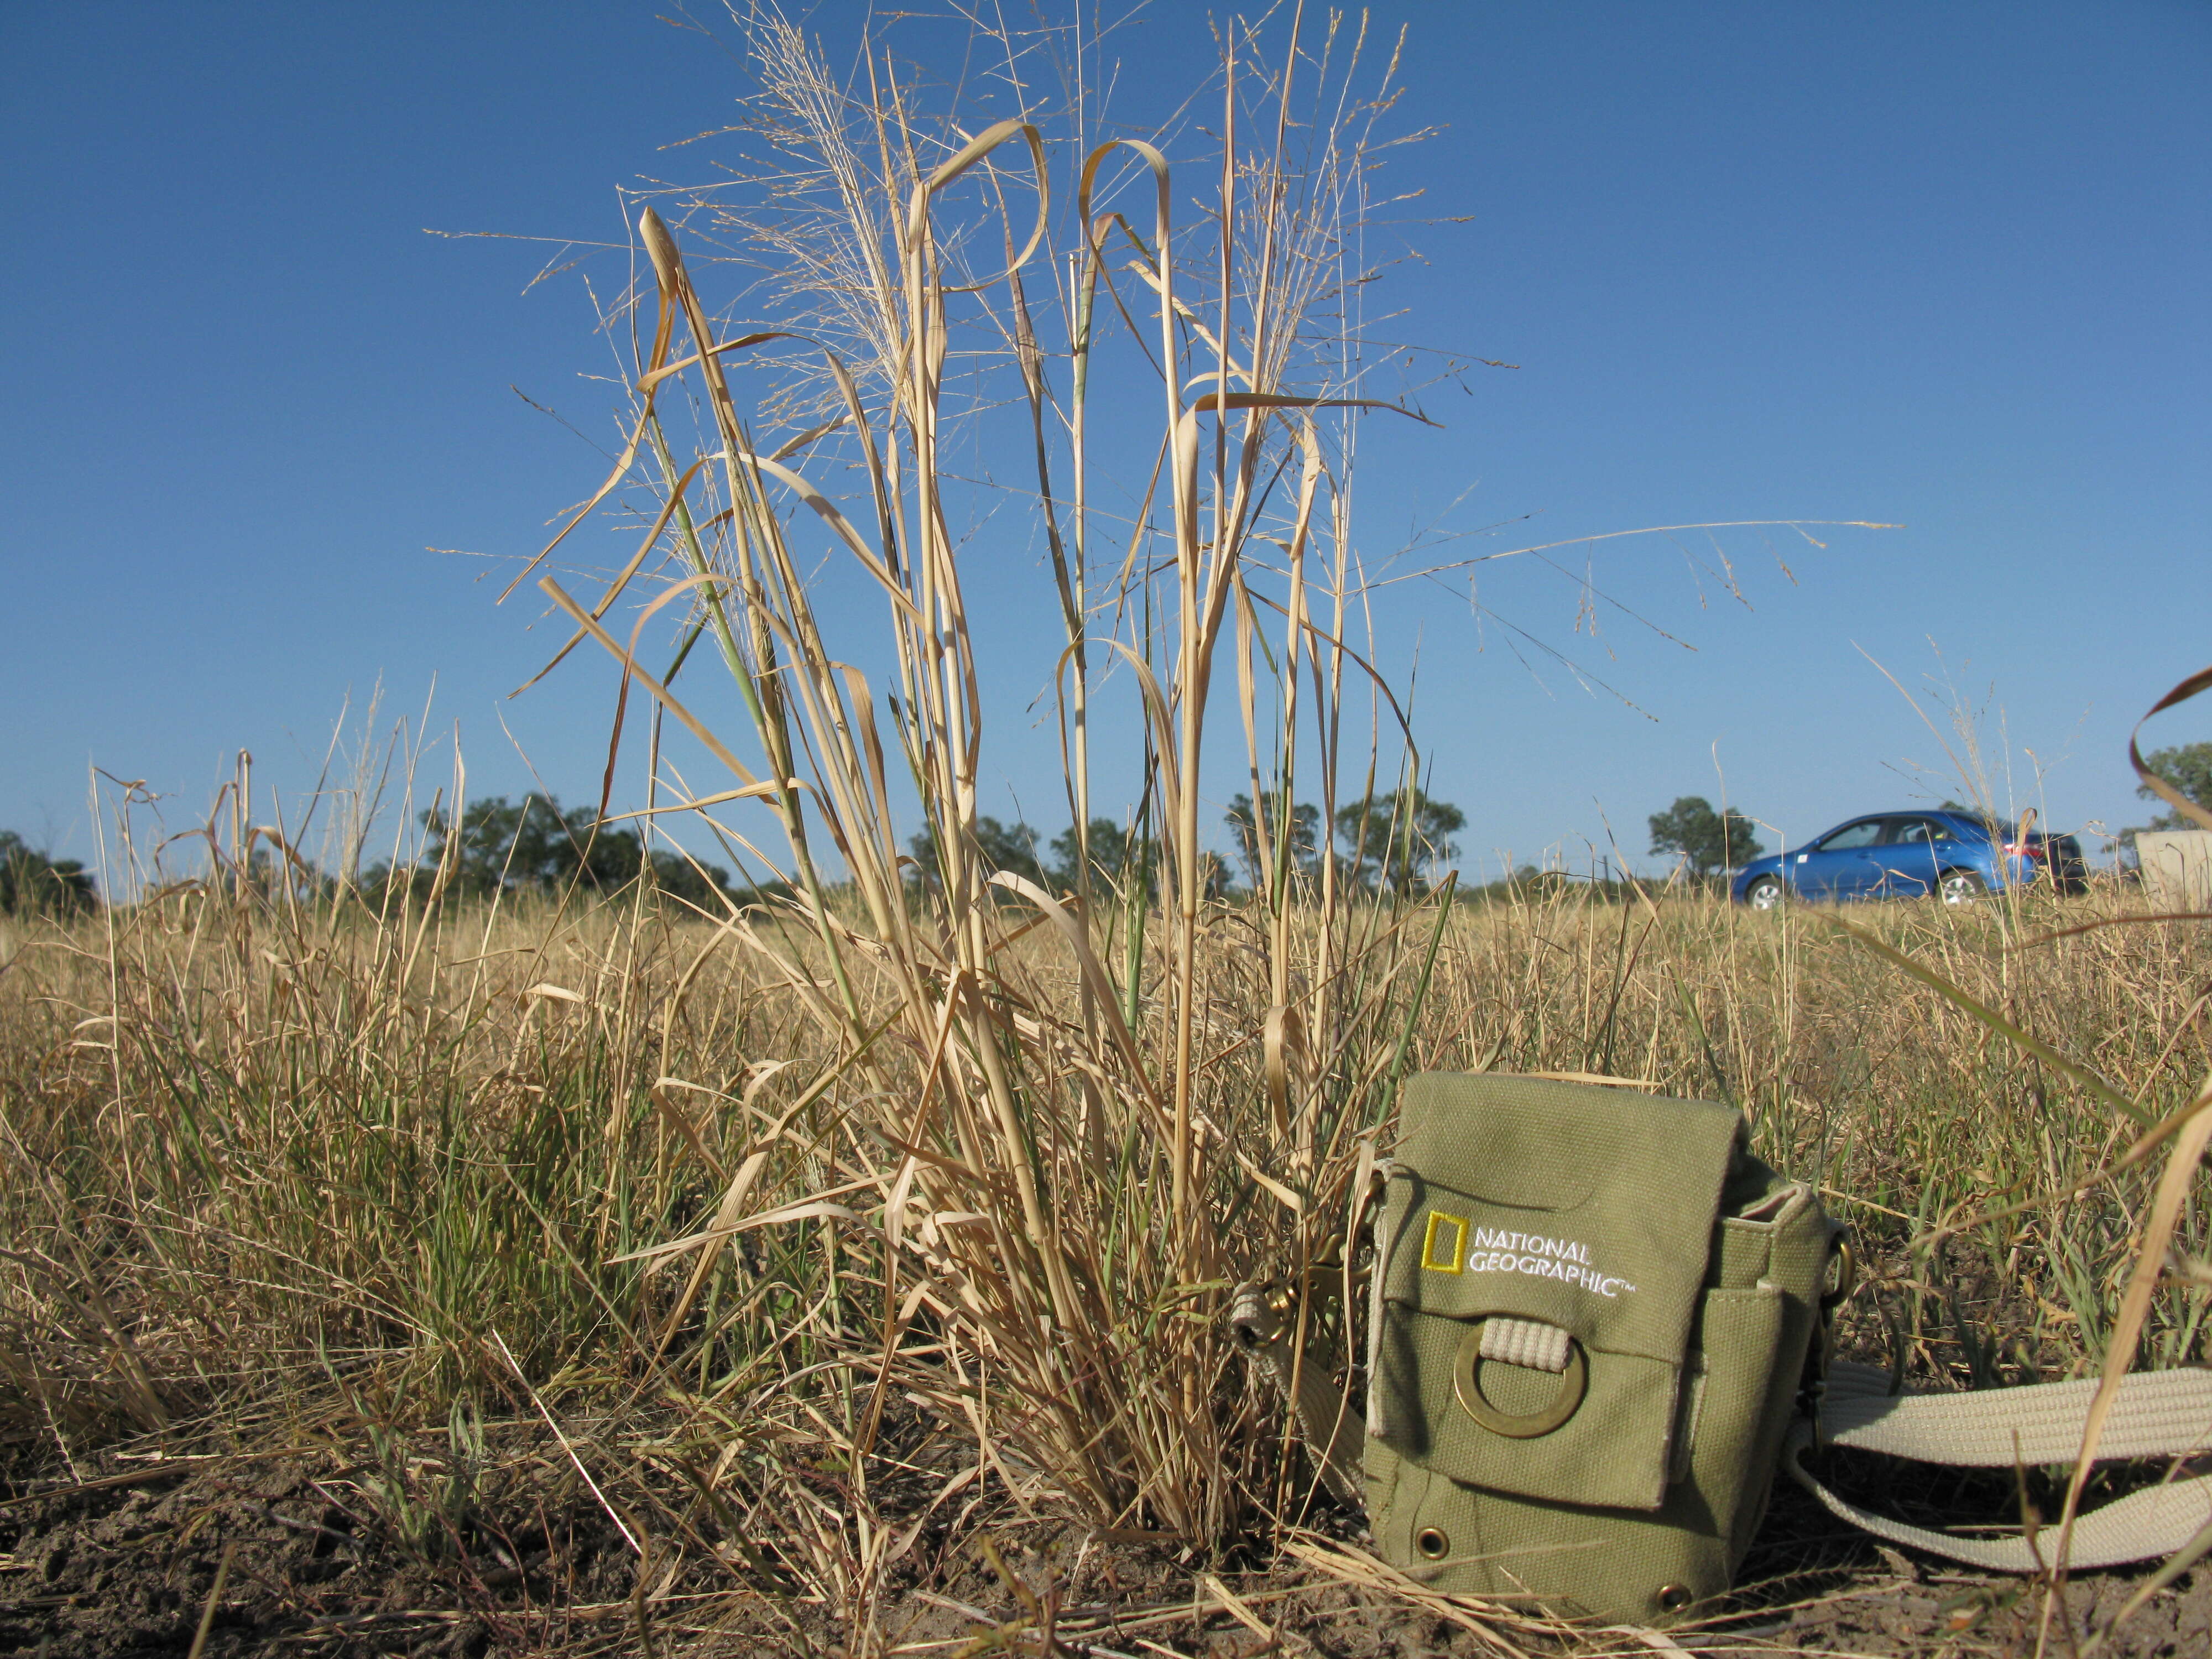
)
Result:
{"points": [[1960, 856]]}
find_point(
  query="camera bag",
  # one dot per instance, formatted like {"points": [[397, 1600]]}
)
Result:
{"points": [[1596, 1331]]}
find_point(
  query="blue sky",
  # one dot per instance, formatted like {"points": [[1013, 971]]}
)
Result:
{"points": [[1941, 267]]}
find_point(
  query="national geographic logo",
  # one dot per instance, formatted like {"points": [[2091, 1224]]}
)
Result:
{"points": [[1453, 1245]]}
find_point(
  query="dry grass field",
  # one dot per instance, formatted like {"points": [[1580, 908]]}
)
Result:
{"points": [[367, 1213]]}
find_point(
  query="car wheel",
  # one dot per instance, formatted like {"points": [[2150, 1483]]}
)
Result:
{"points": [[1764, 894], [1961, 887]]}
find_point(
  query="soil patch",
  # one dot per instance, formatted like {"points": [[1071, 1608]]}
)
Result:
{"points": [[129, 1570]]}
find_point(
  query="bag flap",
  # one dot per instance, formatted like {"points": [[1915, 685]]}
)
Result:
{"points": [[1587, 1209]]}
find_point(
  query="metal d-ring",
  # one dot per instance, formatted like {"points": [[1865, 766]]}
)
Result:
{"points": [[1465, 1383], [1844, 1260]]}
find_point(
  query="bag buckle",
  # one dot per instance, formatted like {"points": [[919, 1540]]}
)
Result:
{"points": [[1839, 1278], [1519, 1337]]}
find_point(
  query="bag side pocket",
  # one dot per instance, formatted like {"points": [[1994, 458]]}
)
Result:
{"points": [[1740, 1344]]}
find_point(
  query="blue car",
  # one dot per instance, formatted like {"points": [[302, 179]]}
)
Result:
{"points": [[1958, 856]]}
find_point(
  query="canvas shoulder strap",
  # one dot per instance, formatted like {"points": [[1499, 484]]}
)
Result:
{"points": [[2156, 1414], [1263, 1321]]}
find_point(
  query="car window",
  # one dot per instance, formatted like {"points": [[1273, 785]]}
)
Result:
{"points": [[1916, 832], [1866, 833]]}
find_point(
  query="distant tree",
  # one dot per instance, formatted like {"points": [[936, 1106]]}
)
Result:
{"points": [[2188, 769], [1115, 852], [1009, 847], [1120, 856], [1003, 847], [495, 844], [532, 846], [1398, 842], [1245, 822], [31, 884], [1708, 842]]}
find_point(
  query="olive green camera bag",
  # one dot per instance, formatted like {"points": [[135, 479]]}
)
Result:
{"points": [[1596, 1331], [1591, 1315]]}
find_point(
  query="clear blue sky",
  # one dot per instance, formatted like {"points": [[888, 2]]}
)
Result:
{"points": [[1946, 267]]}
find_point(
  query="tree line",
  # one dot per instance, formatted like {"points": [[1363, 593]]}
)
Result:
{"points": [[31, 884], [535, 845], [496, 845], [1398, 842]]}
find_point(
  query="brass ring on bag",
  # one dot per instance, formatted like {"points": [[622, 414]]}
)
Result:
{"points": [[1846, 1261], [1573, 1382]]}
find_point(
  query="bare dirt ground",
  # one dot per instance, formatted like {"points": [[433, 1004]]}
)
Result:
{"points": [[129, 1568]]}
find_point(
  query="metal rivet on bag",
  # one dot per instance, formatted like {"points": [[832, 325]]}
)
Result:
{"points": [[1433, 1543], [1673, 1598]]}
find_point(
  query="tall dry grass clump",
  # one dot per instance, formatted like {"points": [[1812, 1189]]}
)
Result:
{"points": [[1071, 1149]]}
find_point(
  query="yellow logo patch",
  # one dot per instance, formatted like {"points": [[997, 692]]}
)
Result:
{"points": [[1443, 1247]]}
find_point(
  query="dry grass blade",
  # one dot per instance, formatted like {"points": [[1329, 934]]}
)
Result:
{"points": [[2174, 1185], [585, 1474], [2194, 811], [214, 1602]]}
